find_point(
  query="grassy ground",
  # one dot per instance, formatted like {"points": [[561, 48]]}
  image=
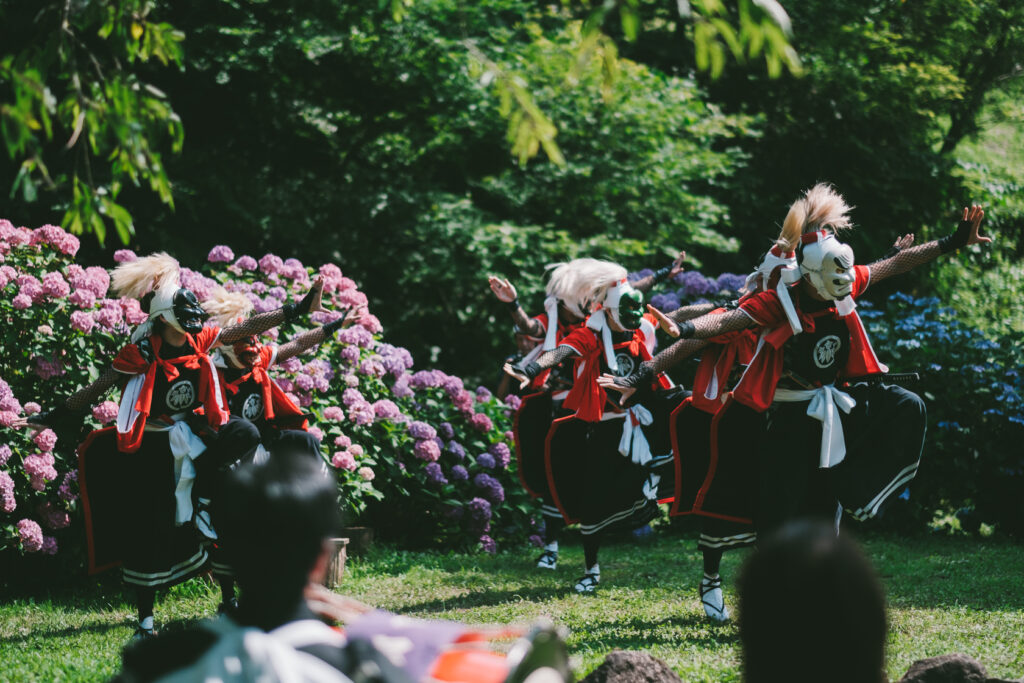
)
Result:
{"points": [[946, 594]]}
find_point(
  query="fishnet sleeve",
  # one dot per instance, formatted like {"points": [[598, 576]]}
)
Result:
{"points": [[303, 342], [257, 324], [548, 359], [907, 259], [643, 376], [86, 397], [707, 326], [692, 311]]}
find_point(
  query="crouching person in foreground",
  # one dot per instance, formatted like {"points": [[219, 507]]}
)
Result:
{"points": [[274, 522]]}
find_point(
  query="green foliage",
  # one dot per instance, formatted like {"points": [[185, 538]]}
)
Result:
{"points": [[79, 116]]}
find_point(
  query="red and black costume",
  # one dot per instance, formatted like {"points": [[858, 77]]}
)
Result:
{"points": [[135, 477]]}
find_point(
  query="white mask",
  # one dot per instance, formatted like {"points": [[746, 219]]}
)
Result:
{"points": [[827, 264]]}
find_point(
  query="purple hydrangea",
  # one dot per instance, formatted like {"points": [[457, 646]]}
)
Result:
{"points": [[666, 302], [361, 413], [356, 336], [695, 285], [513, 401], [246, 263], [491, 487], [30, 535], [488, 545], [536, 540], [640, 274], [426, 379], [421, 430], [271, 264], [458, 473], [482, 393], [400, 388], [446, 431], [479, 509], [456, 449], [730, 282], [434, 474], [485, 460], [351, 396], [502, 454]]}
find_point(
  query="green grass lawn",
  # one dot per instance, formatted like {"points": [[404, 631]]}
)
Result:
{"points": [[946, 594]]}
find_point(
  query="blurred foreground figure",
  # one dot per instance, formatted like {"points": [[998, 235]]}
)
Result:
{"points": [[275, 522], [837, 630]]}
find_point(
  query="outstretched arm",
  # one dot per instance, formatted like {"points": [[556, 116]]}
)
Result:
{"points": [[666, 273], [712, 325], [966, 233], [506, 293], [689, 312], [311, 338], [262, 322], [66, 418], [548, 359], [648, 370]]}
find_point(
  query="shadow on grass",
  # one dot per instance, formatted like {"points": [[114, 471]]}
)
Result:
{"points": [[487, 598], [72, 632], [643, 634]]}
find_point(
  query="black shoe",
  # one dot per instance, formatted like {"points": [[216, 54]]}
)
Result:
{"points": [[548, 560], [143, 634], [588, 583]]}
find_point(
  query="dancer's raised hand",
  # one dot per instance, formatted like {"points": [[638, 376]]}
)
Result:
{"points": [[503, 289], [677, 265]]}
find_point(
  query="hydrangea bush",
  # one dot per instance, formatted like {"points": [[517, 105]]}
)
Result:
{"points": [[418, 455], [972, 386]]}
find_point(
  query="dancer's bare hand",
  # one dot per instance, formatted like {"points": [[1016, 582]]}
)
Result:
{"points": [[26, 423], [664, 322], [503, 289], [608, 381], [524, 381], [975, 215], [318, 294], [337, 608], [902, 243], [677, 265]]}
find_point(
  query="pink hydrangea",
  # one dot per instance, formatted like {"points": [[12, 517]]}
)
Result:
{"points": [[8, 503], [40, 469], [45, 330], [125, 256], [271, 264], [18, 237], [83, 298], [30, 535], [342, 441], [82, 321], [247, 263], [370, 323], [21, 302], [366, 473], [400, 389], [481, 423], [463, 402], [316, 433], [45, 439], [49, 545], [356, 450], [349, 298], [372, 367], [31, 287], [109, 317], [7, 274], [334, 414], [5, 454], [106, 412], [53, 517], [54, 286], [7, 418], [93, 278], [386, 410], [305, 400], [31, 408], [361, 413], [10, 403], [343, 460], [56, 237], [220, 254], [133, 312], [427, 450], [304, 382], [293, 398]]}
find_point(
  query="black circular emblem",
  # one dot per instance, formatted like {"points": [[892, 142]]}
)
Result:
{"points": [[181, 395], [825, 351], [253, 407], [626, 364]]}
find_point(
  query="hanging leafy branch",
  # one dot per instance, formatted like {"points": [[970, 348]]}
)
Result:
{"points": [[77, 117]]}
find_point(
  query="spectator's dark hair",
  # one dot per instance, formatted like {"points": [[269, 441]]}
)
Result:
{"points": [[811, 608], [272, 520]]}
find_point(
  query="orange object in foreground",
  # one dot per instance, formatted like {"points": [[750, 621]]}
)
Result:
{"points": [[470, 666]]}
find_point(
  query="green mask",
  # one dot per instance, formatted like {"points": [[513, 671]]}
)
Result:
{"points": [[631, 309]]}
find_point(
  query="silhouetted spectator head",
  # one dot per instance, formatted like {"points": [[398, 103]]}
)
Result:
{"points": [[273, 520], [811, 608]]}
